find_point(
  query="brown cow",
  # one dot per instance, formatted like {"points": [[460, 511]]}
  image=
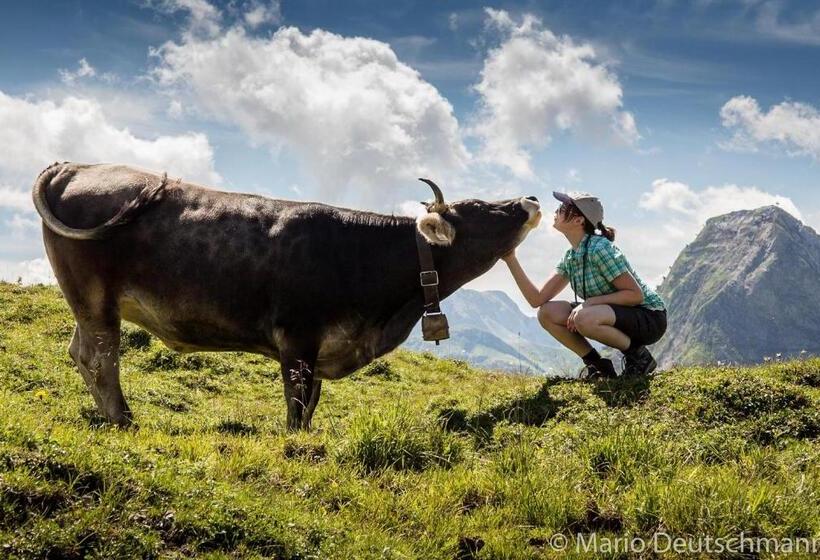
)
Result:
{"points": [[321, 289]]}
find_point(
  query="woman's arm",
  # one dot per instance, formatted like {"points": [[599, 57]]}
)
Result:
{"points": [[629, 292], [534, 296]]}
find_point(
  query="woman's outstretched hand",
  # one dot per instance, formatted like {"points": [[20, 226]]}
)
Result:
{"points": [[508, 256]]}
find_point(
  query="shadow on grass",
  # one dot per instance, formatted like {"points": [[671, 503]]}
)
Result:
{"points": [[530, 410], [623, 391], [93, 418], [536, 408], [236, 428]]}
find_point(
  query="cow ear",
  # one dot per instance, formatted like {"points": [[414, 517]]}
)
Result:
{"points": [[436, 229]]}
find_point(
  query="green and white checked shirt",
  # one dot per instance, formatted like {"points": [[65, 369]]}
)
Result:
{"points": [[605, 262]]}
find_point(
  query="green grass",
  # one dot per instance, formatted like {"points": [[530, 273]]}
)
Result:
{"points": [[412, 457]]}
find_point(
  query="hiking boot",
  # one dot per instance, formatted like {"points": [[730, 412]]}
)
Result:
{"points": [[638, 362], [599, 369]]}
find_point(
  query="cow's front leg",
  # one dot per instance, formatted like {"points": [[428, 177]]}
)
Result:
{"points": [[297, 377], [307, 416]]}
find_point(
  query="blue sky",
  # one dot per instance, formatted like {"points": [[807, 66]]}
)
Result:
{"points": [[714, 105]]}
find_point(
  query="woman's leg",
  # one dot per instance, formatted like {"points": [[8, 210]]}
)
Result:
{"points": [[553, 317], [595, 322]]}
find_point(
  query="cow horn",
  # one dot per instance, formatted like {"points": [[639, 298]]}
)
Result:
{"points": [[440, 205]]}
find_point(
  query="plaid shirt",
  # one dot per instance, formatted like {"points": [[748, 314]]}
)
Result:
{"points": [[605, 262]]}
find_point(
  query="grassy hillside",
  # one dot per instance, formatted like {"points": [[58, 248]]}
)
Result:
{"points": [[413, 457]]}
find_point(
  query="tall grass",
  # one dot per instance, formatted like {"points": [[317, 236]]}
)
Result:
{"points": [[397, 439]]}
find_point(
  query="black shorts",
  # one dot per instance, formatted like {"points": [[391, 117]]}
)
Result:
{"points": [[642, 325]]}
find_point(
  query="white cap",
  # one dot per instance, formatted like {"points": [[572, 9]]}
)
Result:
{"points": [[588, 204]]}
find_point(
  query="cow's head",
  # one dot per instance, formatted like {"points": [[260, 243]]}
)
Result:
{"points": [[474, 232]]}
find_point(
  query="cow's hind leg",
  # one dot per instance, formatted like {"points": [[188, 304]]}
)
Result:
{"points": [[95, 349]]}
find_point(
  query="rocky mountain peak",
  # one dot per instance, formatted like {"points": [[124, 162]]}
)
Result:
{"points": [[744, 289]]}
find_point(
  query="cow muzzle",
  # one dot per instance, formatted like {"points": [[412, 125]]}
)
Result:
{"points": [[530, 204]]}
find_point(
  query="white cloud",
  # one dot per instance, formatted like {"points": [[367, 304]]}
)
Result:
{"points": [[671, 195], [175, 110], [34, 271], [804, 31], [203, 17], [22, 227], [84, 70], [677, 200], [14, 198], [412, 208], [36, 133], [347, 107], [260, 13], [794, 125], [536, 84]]}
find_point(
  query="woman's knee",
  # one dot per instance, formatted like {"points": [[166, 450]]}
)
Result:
{"points": [[592, 316], [553, 313], [586, 320]]}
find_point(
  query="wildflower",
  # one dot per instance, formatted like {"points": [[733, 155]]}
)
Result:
{"points": [[41, 394]]}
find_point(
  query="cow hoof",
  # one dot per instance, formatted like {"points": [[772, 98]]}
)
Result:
{"points": [[123, 421]]}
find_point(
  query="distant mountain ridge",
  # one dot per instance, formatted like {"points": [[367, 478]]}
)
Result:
{"points": [[744, 289], [489, 330]]}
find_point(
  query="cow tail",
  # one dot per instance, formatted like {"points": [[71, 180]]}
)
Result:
{"points": [[128, 212]]}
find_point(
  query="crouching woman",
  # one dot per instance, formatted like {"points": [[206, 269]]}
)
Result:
{"points": [[618, 308]]}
